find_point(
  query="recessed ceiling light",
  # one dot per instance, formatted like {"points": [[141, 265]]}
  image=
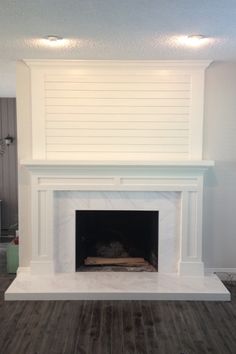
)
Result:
{"points": [[53, 38], [53, 41], [56, 42], [193, 40], [196, 39]]}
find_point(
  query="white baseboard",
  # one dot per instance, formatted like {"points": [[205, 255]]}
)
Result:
{"points": [[223, 273]]}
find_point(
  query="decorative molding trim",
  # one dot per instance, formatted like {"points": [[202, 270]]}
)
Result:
{"points": [[195, 164], [42, 267], [194, 268], [47, 179], [168, 120], [37, 107], [182, 64]]}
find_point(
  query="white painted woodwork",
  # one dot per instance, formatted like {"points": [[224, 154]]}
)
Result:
{"points": [[50, 177], [110, 126], [117, 109]]}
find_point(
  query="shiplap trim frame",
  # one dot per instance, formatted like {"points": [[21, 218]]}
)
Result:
{"points": [[38, 114], [89, 128]]}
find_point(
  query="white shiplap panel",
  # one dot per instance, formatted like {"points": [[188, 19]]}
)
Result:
{"points": [[99, 140], [142, 76], [118, 94], [61, 117], [112, 132], [117, 148], [121, 86], [124, 105], [118, 125], [93, 156], [133, 102], [118, 110]]}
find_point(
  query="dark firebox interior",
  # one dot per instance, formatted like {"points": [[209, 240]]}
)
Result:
{"points": [[116, 234]]}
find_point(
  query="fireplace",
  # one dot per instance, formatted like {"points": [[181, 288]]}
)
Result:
{"points": [[172, 194], [152, 205], [113, 137], [116, 240]]}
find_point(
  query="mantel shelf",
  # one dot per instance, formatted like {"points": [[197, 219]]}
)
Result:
{"points": [[133, 163]]}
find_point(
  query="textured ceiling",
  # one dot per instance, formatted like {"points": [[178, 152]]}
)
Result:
{"points": [[113, 29]]}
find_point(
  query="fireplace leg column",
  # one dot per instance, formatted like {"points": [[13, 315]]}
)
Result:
{"points": [[191, 234], [42, 232]]}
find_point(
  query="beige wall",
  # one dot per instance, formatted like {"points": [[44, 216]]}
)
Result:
{"points": [[219, 228]]}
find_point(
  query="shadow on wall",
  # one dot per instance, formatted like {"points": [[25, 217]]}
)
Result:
{"points": [[219, 221]]}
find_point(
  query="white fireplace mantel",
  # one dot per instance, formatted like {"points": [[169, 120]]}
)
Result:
{"points": [[169, 169], [49, 177], [110, 135], [177, 163]]}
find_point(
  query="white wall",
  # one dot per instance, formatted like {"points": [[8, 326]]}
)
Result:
{"points": [[7, 78], [219, 228]]}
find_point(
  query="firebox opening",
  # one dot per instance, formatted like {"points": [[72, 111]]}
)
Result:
{"points": [[116, 240]]}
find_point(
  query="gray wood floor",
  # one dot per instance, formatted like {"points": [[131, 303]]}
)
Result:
{"points": [[56, 327]]}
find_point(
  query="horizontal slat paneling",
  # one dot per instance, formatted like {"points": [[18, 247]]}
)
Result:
{"points": [[117, 109], [124, 76], [118, 125], [117, 132], [93, 156], [153, 102], [117, 94], [117, 148], [116, 140], [112, 112], [117, 117], [114, 86]]}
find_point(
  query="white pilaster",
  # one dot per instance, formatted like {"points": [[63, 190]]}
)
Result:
{"points": [[191, 232], [42, 231]]}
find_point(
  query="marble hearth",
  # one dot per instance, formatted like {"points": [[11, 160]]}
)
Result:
{"points": [[58, 189]]}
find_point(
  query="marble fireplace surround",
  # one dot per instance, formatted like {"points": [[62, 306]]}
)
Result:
{"points": [[67, 202], [174, 189]]}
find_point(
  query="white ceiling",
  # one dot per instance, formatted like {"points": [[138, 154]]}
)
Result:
{"points": [[113, 29]]}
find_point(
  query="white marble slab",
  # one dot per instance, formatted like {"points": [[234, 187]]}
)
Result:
{"points": [[67, 202], [116, 286]]}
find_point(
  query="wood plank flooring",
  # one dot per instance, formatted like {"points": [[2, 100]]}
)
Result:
{"points": [[110, 327]]}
